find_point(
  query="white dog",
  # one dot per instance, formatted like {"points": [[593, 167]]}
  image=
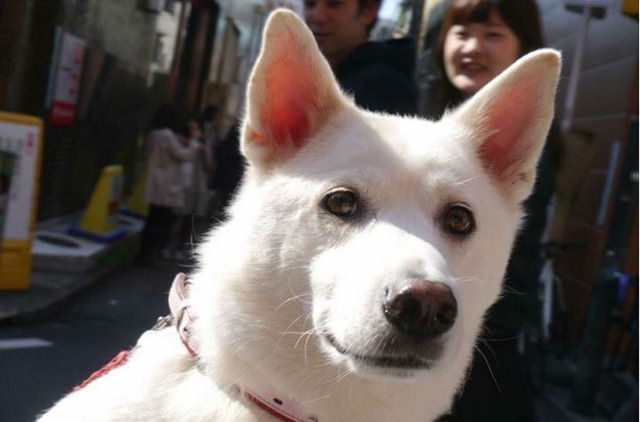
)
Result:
{"points": [[360, 256]]}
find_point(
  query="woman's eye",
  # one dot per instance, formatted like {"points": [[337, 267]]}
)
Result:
{"points": [[459, 221], [459, 31], [463, 35], [341, 202]]}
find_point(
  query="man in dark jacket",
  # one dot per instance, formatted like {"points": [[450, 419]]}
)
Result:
{"points": [[379, 75]]}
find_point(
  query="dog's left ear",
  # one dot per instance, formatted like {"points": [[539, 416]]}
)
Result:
{"points": [[510, 118], [291, 92]]}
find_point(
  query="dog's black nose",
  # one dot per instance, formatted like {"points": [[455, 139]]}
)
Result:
{"points": [[423, 309]]}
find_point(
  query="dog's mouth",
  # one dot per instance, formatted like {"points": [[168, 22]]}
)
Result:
{"points": [[382, 361]]}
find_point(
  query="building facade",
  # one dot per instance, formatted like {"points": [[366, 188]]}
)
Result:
{"points": [[134, 56]]}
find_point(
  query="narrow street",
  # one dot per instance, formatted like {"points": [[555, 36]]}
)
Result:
{"points": [[43, 360], [126, 126]]}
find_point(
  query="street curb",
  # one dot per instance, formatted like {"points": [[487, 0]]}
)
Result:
{"points": [[49, 291], [53, 302]]}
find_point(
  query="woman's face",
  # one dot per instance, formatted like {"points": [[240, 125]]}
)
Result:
{"points": [[475, 53]]}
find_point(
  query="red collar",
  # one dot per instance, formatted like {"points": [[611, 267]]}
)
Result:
{"points": [[265, 397], [179, 306]]}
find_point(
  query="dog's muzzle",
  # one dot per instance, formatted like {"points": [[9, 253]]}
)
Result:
{"points": [[418, 313]]}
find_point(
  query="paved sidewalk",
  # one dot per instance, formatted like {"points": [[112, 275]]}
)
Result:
{"points": [[50, 289], [46, 293]]}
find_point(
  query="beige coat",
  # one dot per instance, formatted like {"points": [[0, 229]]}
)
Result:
{"points": [[195, 175], [165, 182]]}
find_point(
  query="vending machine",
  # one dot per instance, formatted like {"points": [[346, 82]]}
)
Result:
{"points": [[20, 161]]}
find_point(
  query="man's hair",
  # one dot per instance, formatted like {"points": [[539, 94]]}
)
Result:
{"points": [[365, 3]]}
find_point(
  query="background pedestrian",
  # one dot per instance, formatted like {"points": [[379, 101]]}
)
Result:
{"points": [[164, 187]]}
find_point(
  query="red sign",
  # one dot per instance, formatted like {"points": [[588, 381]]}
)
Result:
{"points": [[67, 79]]}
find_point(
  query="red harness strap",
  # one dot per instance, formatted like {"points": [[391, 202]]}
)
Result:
{"points": [[180, 310], [119, 360], [283, 409]]}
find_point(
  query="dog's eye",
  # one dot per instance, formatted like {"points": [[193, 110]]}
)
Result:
{"points": [[459, 221], [341, 202]]}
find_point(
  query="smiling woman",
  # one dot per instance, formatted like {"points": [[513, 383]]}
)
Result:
{"points": [[481, 38], [475, 53]]}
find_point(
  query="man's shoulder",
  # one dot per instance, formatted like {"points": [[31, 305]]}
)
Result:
{"points": [[376, 72], [396, 53], [380, 76]]}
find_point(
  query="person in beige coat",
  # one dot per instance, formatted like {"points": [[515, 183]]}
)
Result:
{"points": [[195, 174], [164, 189]]}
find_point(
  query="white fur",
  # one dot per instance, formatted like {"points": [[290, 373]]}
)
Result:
{"points": [[282, 270]]}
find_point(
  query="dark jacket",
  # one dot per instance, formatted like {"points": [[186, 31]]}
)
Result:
{"points": [[380, 76], [519, 306], [230, 165]]}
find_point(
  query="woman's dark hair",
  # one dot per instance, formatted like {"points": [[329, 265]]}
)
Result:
{"points": [[165, 117], [521, 16], [184, 130], [196, 118], [210, 111]]}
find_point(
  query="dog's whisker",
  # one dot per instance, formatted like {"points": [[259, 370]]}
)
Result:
{"points": [[292, 323], [294, 294], [484, 357], [308, 332], [293, 298], [328, 396], [324, 364], [464, 182], [306, 343], [286, 331], [334, 380], [308, 317], [464, 280], [344, 375], [502, 339], [511, 290]]}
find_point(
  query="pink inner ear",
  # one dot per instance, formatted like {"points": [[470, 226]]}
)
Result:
{"points": [[291, 96], [507, 119]]}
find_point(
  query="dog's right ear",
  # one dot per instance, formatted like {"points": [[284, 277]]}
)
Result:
{"points": [[509, 119], [291, 92]]}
